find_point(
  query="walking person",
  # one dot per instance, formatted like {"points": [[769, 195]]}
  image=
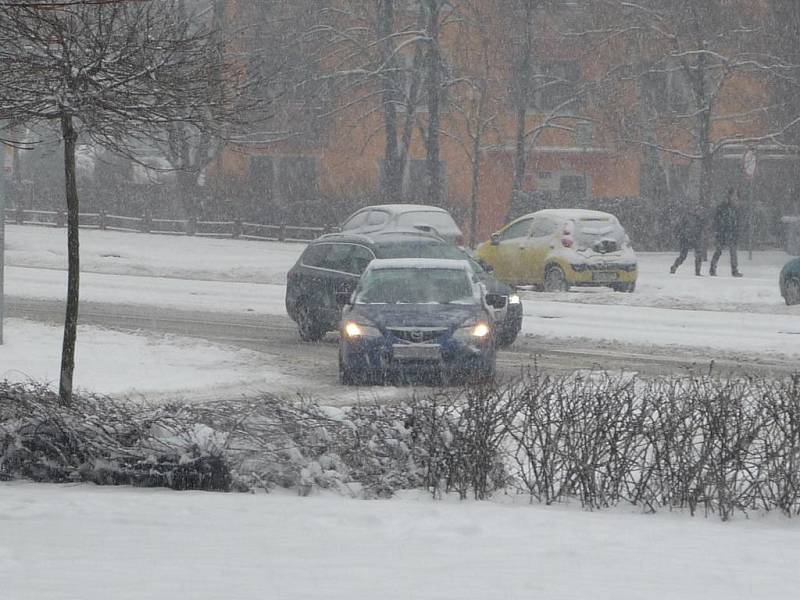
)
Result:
{"points": [[690, 233], [726, 231]]}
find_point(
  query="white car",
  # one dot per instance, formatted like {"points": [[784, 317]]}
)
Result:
{"points": [[404, 216]]}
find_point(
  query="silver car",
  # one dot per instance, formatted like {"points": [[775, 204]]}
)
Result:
{"points": [[404, 216]]}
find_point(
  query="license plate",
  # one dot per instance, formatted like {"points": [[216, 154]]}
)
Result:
{"points": [[417, 352], [604, 276]]}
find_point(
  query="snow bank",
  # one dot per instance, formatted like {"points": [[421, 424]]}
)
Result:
{"points": [[64, 542]]}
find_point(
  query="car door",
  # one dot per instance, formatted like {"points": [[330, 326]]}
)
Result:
{"points": [[505, 256], [344, 264], [308, 283], [536, 248]]}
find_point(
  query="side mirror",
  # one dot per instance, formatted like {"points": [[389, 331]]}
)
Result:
{"points": [[484, 265], [495, 239], [496, 300], [342, 299]]}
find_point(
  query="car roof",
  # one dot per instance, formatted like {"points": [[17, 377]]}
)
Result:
{"points": [[402, 208], [569, 213], [419, 263]]}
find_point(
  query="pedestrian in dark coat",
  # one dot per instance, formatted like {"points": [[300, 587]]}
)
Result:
{"points": [[690, 233], [726, 231]]}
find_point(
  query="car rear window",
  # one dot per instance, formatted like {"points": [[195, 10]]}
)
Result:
{"points": [[420, 250], [356, 221], [590, 231], [425, 250], [440, 221], [415, 286]]}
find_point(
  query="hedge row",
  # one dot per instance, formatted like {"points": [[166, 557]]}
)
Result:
{"points": [[702, 444]]}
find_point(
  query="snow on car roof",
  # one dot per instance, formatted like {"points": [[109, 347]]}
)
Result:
{"points": [[572, 213], [401, 208], [419, 263]]}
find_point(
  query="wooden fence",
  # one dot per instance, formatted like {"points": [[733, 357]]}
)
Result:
{"points": [[235, 229]]}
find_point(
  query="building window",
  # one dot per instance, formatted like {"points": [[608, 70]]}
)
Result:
{"points": [[573, 186], [297, 178], [281, 181], [583, 132], [556, 86], [665, 89], [547, 181], [677, 181]]}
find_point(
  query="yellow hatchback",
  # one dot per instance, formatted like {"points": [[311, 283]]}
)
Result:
{"points": [[554, 249]]}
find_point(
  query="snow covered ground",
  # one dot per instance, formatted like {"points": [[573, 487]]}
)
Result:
{"points": [[744, 316], [64, 542], [81, 542]]}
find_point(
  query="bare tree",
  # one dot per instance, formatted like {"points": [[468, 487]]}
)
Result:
{"points": [[521, 59], [691, 63], [474, 49], [373, 56], [115, 74]]}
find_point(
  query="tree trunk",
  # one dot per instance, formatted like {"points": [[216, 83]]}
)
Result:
{"points": [[473, 201], [392, 190], [522, 97], [476, 155], [73, 261], [434, 86]]}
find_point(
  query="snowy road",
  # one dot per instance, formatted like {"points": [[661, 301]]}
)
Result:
{"points": [[557, 335], [231, 293]]}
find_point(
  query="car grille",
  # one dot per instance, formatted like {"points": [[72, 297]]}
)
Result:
{"points": [[416, 335], [610, 266]]}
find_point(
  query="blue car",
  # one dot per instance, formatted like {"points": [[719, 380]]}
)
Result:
{"points": [[409, 316], [790, 281]]}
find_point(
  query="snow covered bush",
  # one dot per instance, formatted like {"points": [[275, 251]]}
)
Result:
{"points": [[697, 443], [97, 439]]}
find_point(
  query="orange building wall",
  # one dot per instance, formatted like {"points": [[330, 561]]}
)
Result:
{"points": [[348, 163]]}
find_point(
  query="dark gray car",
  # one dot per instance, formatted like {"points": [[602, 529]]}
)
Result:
{"points": [[334, 263]]}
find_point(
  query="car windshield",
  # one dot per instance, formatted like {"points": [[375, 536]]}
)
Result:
{"points": [[415, 286], [590, 231]]}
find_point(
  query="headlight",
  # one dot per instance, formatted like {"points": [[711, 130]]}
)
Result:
{"points": [[481, 330], [472, 332], [355, 330], [513, 299]]}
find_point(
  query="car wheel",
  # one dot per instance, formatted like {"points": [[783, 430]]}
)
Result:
{"points": [[792, 291], [506, 337], [346, 374], [624, 287], [555, 280], [487, 376], [308, 325]]}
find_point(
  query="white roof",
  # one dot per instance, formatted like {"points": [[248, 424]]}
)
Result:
{"points": [[403, 208], [419, 263], [571, 213]]}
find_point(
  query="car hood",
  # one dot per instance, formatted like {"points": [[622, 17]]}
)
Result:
{"points": [[493, 286], [791, 267], [415, 315]]}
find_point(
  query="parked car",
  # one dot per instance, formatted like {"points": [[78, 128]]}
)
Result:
{"points": [[412, 315], [554, 249], [789, 281], [404, 216], [334, 263]]}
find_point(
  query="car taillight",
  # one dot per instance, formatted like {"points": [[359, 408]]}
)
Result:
{"points": [[566, 239]]}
